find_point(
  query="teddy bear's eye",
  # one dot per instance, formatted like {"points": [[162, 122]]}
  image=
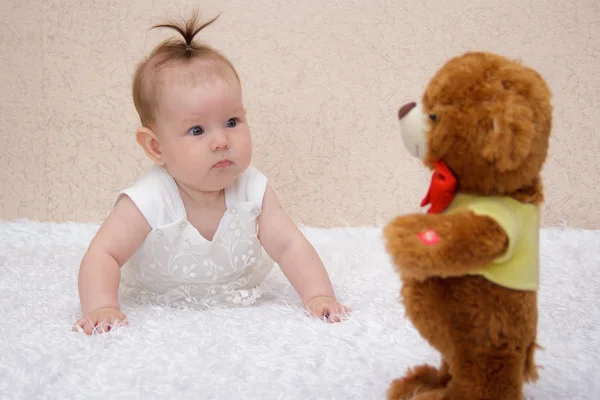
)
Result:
{"points": [[433, 117]]}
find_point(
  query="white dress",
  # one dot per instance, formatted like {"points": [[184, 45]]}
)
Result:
{"points": [[176, 265]]}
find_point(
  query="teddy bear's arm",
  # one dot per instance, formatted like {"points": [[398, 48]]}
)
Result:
{"points": [[427, 245]]}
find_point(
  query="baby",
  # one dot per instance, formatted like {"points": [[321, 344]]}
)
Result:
{"points": [[192, 230]]}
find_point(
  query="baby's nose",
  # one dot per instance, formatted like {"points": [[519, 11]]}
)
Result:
{"points": [[405, 109], [220, 142]]}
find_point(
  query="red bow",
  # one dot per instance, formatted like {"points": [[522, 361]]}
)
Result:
{"points": [[441, 190]]}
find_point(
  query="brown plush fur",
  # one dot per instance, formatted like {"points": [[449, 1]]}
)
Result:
{"points": [[493, 122]]}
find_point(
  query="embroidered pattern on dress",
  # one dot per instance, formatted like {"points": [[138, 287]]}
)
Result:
{"points": [[175, 266]]}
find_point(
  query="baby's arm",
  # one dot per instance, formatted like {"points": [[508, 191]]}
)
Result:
{"points": [[99, 274], [299, 261]]}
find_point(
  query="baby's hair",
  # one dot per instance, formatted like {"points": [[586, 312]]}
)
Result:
{"points": [[181, 50]]}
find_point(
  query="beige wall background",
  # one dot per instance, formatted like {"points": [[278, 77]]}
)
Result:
{"points": [[323, 80]]}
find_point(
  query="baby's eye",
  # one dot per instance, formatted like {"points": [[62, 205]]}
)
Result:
{"points": [[231, 123], [196, 130]]}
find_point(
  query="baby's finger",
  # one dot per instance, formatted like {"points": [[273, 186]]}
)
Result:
{"points": [[80, 325], [319, 312], [88, 327], [345, 310], [340, 313], [77, 326], [328, 316], [104, 326], [334, 317], [120, 320]]}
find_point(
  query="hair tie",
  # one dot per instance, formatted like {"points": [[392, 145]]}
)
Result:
{"points": [[188, 47]]}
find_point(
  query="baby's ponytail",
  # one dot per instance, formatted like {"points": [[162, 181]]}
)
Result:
{"points": [[188, 31], [174, 51]]}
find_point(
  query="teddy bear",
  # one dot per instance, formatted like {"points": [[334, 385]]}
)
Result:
{"points": [[469, 265]]}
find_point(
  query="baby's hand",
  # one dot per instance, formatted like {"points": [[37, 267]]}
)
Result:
{"points": [[101, 320], [327, 308]]}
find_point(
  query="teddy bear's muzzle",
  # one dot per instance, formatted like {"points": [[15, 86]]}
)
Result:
{"points": [[412, 126]]}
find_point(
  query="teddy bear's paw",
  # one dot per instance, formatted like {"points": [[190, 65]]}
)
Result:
{"points": [[419, 380], [437, 394]]}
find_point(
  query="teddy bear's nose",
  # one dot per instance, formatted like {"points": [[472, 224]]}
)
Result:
{"points": [[405, 109]]}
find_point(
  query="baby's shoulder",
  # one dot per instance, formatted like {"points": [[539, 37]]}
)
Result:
{"points": [[156, 196], [249, 186]]}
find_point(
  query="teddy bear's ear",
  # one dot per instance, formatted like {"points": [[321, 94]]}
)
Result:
{"points": [[509, 142]]}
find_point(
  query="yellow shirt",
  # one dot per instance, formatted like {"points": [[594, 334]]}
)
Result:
{"points": [[518, 267]]}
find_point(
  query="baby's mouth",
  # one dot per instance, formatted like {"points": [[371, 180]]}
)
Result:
{"points": [[223, 164]]}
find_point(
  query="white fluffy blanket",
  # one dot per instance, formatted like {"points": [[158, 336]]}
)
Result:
{"points": [[271, 350]]}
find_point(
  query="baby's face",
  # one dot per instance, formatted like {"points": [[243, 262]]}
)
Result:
{"points": [[202, 129]]}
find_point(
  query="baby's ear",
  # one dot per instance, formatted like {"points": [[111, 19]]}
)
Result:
{"points": [[150, 144], [509, 142]]}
